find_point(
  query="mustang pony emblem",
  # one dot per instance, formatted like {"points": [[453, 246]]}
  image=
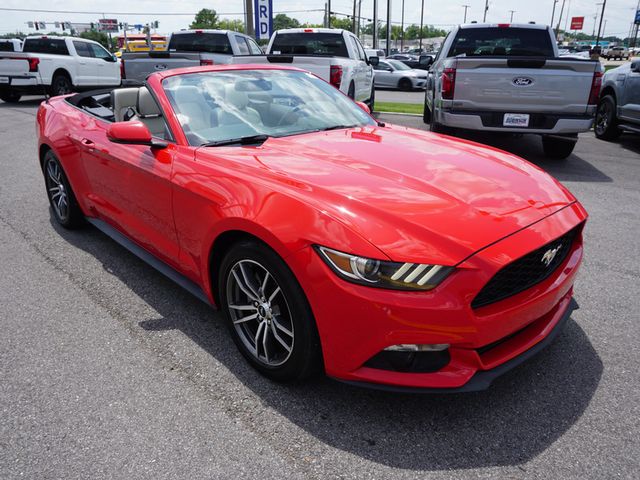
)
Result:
{"points": [[549, 255]]}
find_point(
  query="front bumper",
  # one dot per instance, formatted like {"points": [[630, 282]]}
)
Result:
{"points": [[355, 322]]}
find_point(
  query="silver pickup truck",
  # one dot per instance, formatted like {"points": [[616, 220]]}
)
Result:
{"points": [[619, 107], [189, 48], [509, 78]]}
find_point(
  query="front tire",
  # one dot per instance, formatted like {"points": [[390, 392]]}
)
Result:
{"points": [[61, 197], [405, 84], [558, 148], [372, 99], [10, 96], [606, 127], [267, 313]]}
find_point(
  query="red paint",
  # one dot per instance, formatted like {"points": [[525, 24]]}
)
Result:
{"points": [[381, 192]]}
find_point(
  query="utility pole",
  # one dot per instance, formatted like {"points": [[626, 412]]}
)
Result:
{"points": [[604, 5], [486, 9], [559, 19], [250, 27], [402, 27], [375, 24], [422, 23], [359, 17], [466, 7], [388, 28], [353, 22], [553, 12], [512, 12], [328, 13]]}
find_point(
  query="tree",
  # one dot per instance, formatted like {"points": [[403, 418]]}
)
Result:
{"points": [[233, 25], [99, 37], [282, 20], [344, 23], [205, 18]]}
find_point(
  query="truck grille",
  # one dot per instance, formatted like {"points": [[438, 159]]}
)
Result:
{"points": [[526, 271]]}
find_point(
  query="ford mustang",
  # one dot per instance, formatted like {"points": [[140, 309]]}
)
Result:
{"points": [[381, 255]]}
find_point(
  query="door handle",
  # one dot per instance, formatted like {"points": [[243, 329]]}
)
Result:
{"points": [[88, 144]]}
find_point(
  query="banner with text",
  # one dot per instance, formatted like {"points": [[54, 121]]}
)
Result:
{"points": [[577, 23], [264, 18]]}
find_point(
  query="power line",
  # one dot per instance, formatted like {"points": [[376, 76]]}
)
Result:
{"points": [[83, 12]]}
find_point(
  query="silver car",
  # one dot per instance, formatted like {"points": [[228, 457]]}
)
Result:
{"points": [[619, 106], [395, 74]]}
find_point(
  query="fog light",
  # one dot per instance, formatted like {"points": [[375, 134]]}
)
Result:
{"points": [[409, 347]]}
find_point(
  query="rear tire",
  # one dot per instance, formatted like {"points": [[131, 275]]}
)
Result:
{"points": [[557, 148], [60, 194], [61, 85], [10, 96], [372, 99], [426, 113], [281, 339], [606, 127]]}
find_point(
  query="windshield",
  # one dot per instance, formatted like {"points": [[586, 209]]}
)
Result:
{"points": [[214, 107], [497, 41], [398, 65]]}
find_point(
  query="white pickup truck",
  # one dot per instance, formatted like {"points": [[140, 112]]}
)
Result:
{"points": [[56, 65], [332, 54], [510, 78]]}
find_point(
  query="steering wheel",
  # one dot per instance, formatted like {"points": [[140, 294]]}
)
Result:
{"points": [[296, 109]]}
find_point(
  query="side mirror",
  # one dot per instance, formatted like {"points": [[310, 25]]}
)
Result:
{"points": [[635, 66], [133, 133], [364, 106], [374, 61], [389, 69], [110, 59]]}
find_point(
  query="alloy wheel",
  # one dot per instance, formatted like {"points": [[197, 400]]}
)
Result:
{"points": [[57, 190], [603, 117], [260, 313]]}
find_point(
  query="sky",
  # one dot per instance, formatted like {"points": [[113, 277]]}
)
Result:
{"points": [[178, 14]]}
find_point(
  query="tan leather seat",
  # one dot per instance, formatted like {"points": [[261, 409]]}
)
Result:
{"points": [[150, 114], [124, 100], [192, 108], [239, 103]]}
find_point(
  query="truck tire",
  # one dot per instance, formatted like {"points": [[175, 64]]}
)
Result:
{"points": [[426, 113], [10, 96], [60, 84], [372, 99], [606, 126], [351, 93], [558, 148], [405, 84]]}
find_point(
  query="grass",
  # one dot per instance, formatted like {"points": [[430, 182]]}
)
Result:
{"points": [[398, 107]]}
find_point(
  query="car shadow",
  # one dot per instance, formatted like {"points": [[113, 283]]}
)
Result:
{"points": [[520, 416], [29, 102]]}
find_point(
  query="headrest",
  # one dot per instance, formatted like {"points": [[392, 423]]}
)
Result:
{"points": [[122, 99], [235, 98], [188, 94], [147, 105]]}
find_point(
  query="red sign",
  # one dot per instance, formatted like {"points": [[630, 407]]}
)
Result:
{"points": [[577, 23]]}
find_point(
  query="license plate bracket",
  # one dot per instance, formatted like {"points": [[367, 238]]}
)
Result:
{"points": [[516, 120], [4, 80]]}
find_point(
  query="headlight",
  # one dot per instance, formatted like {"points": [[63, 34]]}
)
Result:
{"points": [[383, 274]]}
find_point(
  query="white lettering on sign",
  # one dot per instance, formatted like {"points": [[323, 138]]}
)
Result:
{"points": [[264, 18]]}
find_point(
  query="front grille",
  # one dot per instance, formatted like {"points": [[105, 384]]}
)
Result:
{"points": [[526, 271]]}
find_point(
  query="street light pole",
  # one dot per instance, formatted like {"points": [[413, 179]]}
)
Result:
{"points": [[486, 9], [559, 19], [328, 13], [375, 24], [421, 23], [512, 12], [388, 27], [465, 12], [553, 12], [402, 27], [604, 5]]}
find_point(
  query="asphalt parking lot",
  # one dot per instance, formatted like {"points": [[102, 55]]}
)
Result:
{"points": [[109, 370]]}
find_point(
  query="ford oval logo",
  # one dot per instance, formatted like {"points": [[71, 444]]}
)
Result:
{"points": [[160, 66], [522, 81]]}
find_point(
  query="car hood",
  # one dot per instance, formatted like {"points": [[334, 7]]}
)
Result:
{"points": [[416, 196]]}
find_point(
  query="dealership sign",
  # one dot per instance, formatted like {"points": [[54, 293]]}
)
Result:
{"points": [[577, 23], [637, 22], [264, 18], [109, 25]]}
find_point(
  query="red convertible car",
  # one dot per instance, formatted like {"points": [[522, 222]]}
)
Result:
{"points": [[330, 241]]}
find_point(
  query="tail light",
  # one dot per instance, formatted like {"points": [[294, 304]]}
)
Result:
{"points": [[596, 83], [335, 75], [122, 74], [204, 61], [33, 64], [448, 83]]}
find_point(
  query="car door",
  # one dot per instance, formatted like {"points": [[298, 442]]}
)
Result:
{"points": [[630, 102], [108, 70], [87, 71], [131, 188], [367, 83], [359, 70], [384, 74]]}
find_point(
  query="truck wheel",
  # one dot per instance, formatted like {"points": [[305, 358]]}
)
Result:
{"points": [[10, 96], [61, 85], [606, 127], [372, 99], [351, 93], [426, 113], [405, 84], [558, 148]]}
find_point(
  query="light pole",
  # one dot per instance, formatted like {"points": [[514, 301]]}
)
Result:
{"points": [[388, 27], [553, 12], [512, 12], [465, 12], [559, 20], [375, 24], [604, 5], [402, 27], [422, 22], [486, 9]]}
